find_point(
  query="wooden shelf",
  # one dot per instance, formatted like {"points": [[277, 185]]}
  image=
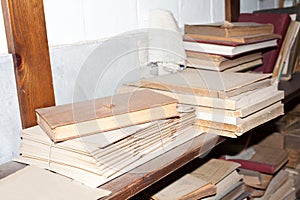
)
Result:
{"points": [[145, 175]]}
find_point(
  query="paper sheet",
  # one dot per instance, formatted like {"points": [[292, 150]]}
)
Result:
{"points": [[35, 183]]}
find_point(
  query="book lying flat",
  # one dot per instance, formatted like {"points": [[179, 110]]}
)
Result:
{"points": [[221, 65], [187, 187], [227, 29], [237, 39], [231, 116], [238, 103], [265, 159], [228, 50], [243, 125], [245, 66], [89, 117], [206, 83]]}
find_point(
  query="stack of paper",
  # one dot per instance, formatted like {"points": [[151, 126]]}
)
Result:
{"points": [[97, 157], [226, 103]]}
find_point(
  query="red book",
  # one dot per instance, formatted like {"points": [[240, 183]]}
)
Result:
{"points": [[265, 160], [281, 23]]}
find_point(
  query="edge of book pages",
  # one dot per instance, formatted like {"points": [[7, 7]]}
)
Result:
{"points": [[206, 83], [94, 180], [233, 131], [237, 102]]}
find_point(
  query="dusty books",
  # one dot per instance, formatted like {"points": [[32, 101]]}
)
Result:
{"points": [[36, 183], [227, 29], [225, 63], [89, 117], [206, 83], [94, 160], [233, 127], [237, 39], [187, 187], [264, 159], [227, 50]]}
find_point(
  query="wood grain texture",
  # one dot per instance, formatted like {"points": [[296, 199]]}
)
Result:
{"points": [[27, 42], [232, 10]]}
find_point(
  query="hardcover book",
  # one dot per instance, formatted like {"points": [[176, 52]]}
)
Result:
{"points": [[281, 23]]}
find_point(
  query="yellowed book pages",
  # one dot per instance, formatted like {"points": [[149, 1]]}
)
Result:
{"points": [[36, 183], [184, 188], [206, 83], [244, 125], [215, 170], [232, 103]]}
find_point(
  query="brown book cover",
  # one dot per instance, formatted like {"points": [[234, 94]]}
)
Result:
{"points": [[93, 116], [227, 29]]}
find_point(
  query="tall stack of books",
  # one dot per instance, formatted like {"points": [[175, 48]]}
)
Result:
{"points": [[98, 140], [226, 103], [227, 46]]}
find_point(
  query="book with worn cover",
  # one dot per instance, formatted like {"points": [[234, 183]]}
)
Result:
{"points": [[236, 39], [229, 29], [99, 115], [281, 23], [227, 49], [265, 159], [221, 65]]}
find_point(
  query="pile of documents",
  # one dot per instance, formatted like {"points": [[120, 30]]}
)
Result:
{"points": [[226, 103], [234, 46], [98, 140]]}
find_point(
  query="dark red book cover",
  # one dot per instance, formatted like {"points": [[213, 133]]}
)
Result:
{"points": [[281, 23]]}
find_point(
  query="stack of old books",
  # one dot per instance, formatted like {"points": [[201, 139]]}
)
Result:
{"points": [[215, 179], [97, 140], [227, 46], [226, 103], [263, 166]]}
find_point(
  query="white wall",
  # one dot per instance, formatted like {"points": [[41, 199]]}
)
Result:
{"points": [[80, 21]]}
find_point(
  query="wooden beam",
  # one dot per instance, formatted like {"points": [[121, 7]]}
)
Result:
{"points": [[27, 42], [232, 10]]}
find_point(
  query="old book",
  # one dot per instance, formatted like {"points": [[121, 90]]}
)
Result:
{"points": [[187, 187], [232, 120], [206, 83], [248, 99], [221, 65], [226, 29], [233, 115], [244, 125], [230, 50], [36, 183], [236, 39], [89, 117], [205, 56], [245, 66], [283, 57], [215, 170], [279, 180], [265, 160], [280, 23], [255, 179]]}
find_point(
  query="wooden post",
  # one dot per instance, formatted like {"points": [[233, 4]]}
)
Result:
{"points": [[27, 42], [232, 10]]}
